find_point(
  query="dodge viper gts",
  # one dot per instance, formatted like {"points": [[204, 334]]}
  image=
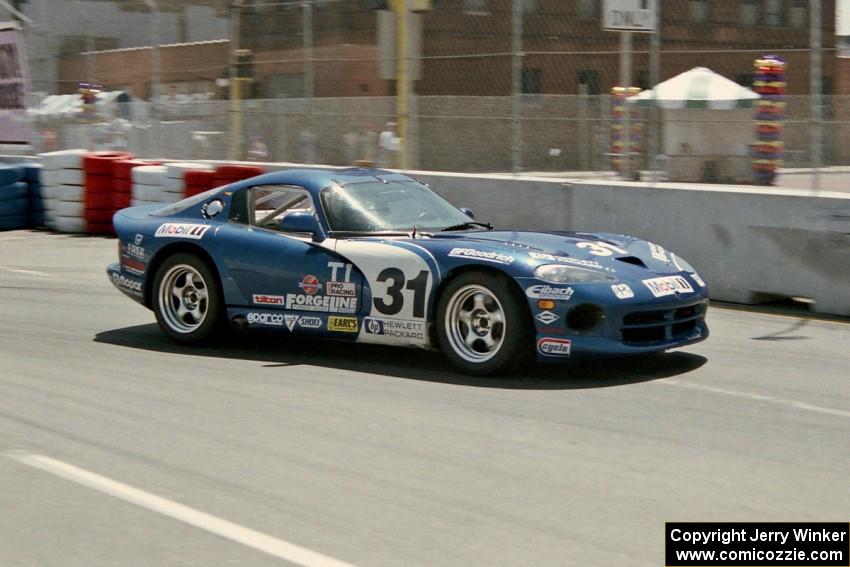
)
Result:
{"points": [[375, 256]]}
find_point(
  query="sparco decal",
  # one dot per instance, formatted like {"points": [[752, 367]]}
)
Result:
{"points": [[273, 319], [341, 289], [324, 303], [182, 230], [543, 291], [310, 284], [401, 329], [262, 299], [342, 324], [554, 347], [497, 257], [310, 322], [668, 285], [127, 283]]}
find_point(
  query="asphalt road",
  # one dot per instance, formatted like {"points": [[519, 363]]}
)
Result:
{"points": [[119, 448]]}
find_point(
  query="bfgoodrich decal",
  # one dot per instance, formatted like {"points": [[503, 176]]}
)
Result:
{"points": [[497, 257], [182, 230]]}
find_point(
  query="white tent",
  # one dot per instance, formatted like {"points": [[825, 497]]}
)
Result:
{"points": [[707, 125]]}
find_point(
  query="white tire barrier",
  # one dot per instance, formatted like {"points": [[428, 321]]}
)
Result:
{"points": [[64, 159], [63, 187], [73, 193], [63, 177], [75, 209]]}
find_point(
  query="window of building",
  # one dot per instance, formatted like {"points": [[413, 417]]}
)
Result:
{"points": [[587, 9], [798, 16], [530, 81], [477, 7], [773, 12], [749, 13], [590, 79], [699, 11]]}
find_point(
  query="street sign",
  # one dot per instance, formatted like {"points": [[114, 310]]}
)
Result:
{"points": [[629, 15]]}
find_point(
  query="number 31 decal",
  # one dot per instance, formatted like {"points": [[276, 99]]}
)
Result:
{"points": [[600, 248], [393, 302]]}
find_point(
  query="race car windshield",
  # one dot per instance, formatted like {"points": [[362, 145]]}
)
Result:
{"points": [[391, 206]]}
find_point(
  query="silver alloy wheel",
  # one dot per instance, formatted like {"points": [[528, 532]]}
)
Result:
{"points": [[475, 323], [183, 298]]}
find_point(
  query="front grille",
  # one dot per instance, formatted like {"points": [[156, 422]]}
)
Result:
{"points": [[661, 325]]}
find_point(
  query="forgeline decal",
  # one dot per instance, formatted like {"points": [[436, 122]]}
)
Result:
{"points": [[272, 319], [622, 291], [342, 324], [262, 299], [324, 303], [182, 230], [397, 328], [341, 289], [600, 248], [544, 291], [566, 260], [668, 285], [549, 346], [497, 257], [546, 317], [310, 284], [658, 252], [127, 283]]}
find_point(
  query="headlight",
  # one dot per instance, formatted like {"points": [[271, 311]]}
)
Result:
{"points": [[559, 274]]}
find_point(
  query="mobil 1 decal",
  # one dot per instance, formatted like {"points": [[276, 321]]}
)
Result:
{"points": [[400, 279]]}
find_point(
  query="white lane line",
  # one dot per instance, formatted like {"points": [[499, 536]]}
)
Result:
{"points": [[760, 398], [28, 272], [234, 532]]}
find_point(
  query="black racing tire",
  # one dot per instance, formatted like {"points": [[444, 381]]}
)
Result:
{"points": [[483, 326], [187, 299]]}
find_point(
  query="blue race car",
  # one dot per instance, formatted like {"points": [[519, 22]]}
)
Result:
{"points": [[374, 256]]}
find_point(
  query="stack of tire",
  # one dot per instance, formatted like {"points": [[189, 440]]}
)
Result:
{"points": [[226, 174], [35, 205], [198, 180], [148, 181], [63, 190], [122, 179], [100, 186], [174, 188], [13, 198]]}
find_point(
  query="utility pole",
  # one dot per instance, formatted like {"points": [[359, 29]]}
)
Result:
{"points": [[155, 55], [403, 83], [307, 24], [235, 149], [816, 125], [516, 86]]}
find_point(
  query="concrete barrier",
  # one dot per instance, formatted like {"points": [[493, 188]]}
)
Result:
{"points": [[750, 244]]}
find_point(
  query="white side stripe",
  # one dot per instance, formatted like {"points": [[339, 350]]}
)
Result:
{"points": [[234, 532]]}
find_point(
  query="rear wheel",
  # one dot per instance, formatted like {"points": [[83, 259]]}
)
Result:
{"points": [[187, 299], [483, 328]]}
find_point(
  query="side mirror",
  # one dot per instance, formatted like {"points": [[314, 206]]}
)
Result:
{"points": [[302, 222], [467, 212]]}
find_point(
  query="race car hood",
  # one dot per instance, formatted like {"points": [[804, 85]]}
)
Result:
{"points": [[610, 251]]}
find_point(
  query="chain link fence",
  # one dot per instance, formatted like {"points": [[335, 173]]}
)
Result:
{"points": [[493, 86]]}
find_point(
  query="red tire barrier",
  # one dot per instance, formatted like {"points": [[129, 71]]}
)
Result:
{"points": [[123, 168], [98, 201], [99, 184], [103, 216], [100, 163], [198, 180]]}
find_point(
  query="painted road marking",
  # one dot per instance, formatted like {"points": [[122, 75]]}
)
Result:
{"points": [[760, 398], [27, 272], [218, 526]]}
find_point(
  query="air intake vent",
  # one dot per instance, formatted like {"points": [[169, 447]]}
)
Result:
{"points": [[632, 260]]}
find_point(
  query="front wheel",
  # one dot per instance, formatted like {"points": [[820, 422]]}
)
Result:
{"points": [[187, 299], [482, 326]]}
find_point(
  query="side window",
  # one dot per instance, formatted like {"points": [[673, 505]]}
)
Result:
{"points": [[268, 204], [239, 207]]}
